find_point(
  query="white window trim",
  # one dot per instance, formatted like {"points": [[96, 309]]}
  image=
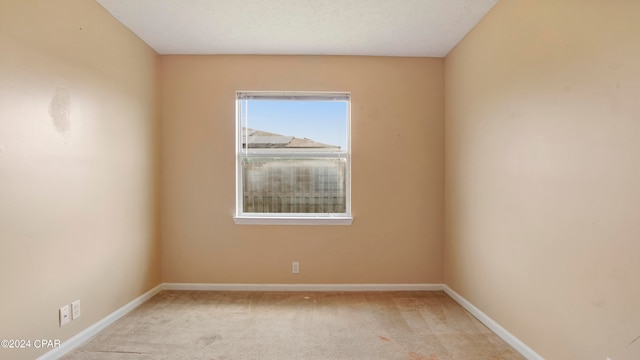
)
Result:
{"points": [[292, 220], [241, 218]]}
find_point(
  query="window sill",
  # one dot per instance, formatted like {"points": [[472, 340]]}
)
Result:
{"points": [[269, 220]]}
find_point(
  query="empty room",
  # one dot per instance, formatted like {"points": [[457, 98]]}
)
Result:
{"points": [[284, 179]]}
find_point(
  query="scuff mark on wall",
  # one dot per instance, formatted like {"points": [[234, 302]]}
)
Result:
{"points": [[60, 111]]}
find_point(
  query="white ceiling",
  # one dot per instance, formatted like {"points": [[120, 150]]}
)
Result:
{"points": [[301, 27]]}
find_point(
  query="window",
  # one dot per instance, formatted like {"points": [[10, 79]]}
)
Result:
{"points": [[293, 158]]}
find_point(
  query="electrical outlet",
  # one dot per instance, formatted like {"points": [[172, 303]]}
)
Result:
{"points": [[75, 309], [64, 315], [295, 267]]}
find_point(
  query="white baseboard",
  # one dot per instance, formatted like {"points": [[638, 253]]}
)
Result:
{"points": [[303, 287], [509, 338], [92, 330]]}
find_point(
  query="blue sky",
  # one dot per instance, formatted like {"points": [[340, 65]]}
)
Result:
{"points": [[321, 121]]}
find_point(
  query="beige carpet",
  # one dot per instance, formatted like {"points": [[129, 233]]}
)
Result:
{"points": [[212, 325]]}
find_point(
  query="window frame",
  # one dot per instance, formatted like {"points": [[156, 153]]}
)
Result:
{"points": [[240, 217]]}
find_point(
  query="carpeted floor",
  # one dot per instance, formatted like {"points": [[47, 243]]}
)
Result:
{"points": [[217, 325]]}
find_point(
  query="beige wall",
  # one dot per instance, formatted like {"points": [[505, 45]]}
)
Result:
{"points": [[397, 172], [543, 174], [77, 167]]}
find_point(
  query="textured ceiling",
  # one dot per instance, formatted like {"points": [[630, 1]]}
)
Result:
{"points": [[301, 27]]}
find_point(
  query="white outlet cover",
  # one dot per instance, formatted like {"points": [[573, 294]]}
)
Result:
{"points": [[75, 310], [64, 315]]}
